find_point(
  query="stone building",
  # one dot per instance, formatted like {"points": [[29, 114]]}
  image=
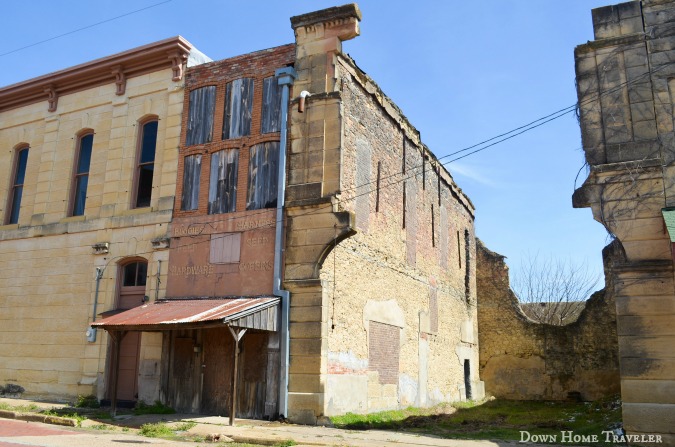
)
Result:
{"points": [[88, 179], [335, 275], [625, 85]]}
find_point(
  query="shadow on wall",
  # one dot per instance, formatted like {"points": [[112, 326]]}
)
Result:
{"points": [[524, 360]]}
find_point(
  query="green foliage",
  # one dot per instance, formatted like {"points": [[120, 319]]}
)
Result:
{"points": [[158, 430], [185, 426], [101, 427], [89, 401], [156, 408], [286, 443], [496, 419]]}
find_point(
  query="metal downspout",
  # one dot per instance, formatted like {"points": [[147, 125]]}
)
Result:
{"points": [[91, 331], [285, 77]]}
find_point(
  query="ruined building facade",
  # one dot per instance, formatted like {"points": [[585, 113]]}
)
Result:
{"points": [[344, 281], [626, 98]]}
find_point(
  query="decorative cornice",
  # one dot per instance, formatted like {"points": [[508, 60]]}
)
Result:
{"points": [[120, 80], [111, 69]]}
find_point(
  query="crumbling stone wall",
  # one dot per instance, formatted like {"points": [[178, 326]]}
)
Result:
{"points": [[521, 359], [393, 276]]}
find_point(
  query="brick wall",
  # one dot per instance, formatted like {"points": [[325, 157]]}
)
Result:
{"points": [[383, 351]]}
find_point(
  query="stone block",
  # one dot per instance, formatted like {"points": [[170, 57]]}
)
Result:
{"points": [[305, 383], [306, 329], [308, 314], [645, 326], [307, 347], [645, 305], [648, 417], [301, 364]]}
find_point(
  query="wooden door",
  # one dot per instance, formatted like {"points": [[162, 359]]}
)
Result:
{"points": [[131, 293]]}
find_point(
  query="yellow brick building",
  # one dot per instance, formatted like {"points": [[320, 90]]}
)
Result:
{"points": [[88, 171]]}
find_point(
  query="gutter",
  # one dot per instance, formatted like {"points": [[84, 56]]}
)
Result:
{"points": [[285, 77]]}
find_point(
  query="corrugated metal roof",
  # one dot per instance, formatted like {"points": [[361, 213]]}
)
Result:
{"points": [[669, 218], [162, 315]]}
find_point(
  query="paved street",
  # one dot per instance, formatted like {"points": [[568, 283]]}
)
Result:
{"points": [[34, 434]]}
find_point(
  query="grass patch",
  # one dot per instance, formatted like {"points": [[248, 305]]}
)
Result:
{"points": [[31, 408], [158, 430], [185, 426], [87, 402], [156, 408], [496, 419]]}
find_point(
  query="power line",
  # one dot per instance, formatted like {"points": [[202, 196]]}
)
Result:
{"points": [[83, 28], [507, 135]]}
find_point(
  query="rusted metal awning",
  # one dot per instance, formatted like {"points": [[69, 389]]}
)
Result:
{"points": [[253, 313]]}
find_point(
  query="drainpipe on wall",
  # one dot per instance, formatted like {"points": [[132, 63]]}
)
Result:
{"points": [[91, 331], [285, 77]]}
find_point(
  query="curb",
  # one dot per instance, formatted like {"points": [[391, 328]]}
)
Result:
{"points": [[34, 417]]}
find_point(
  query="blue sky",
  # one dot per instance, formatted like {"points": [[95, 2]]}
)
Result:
{"points": [[462, 72]]}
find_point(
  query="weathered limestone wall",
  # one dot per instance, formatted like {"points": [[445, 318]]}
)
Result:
{"points": [[47, 263], [524, 360], [382, 314], [625, 89], [391, 273]]}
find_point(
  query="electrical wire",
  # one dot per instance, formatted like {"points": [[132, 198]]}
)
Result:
{"points": [[83, 28]]}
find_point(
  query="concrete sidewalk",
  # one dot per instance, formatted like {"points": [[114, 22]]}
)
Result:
{"points": [[271, 433]]}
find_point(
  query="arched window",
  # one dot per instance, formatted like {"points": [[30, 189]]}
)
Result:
{"points": [[134, 274], [145, 167], [16, 190], [81, 177]]}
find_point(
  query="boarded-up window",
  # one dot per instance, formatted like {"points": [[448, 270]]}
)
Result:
{"points": [[384, 349], [433, 309], [225, 248], [363, 187], [238, 107], [271, 106], [262, 176], [191, 172], [223, 181], [411, 221], [200, 115], [443, 238]]}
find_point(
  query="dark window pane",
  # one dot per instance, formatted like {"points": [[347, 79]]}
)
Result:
{"points": [[149, 142], [271, 106], [238, 108], [223, 182], [262, 176], [86, 143], [16, 205], [200, 115], [141, 275], [191, 174], [144, 185], [80, 196], [21, 167], [129, 274]]}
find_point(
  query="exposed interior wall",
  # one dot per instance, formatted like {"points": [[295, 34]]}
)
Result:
{"points": [[524, 360], [400, 293], [351, 264]]}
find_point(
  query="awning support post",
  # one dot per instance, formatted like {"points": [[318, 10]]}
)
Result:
{"points": [[237, 334], [116, 337]]}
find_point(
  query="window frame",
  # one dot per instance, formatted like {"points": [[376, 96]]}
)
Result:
{"points": [[252, 199], [213, 204], [244, 109], [195, 183], [11, 199], [139, 163], [78, 175], [196, 125]]}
